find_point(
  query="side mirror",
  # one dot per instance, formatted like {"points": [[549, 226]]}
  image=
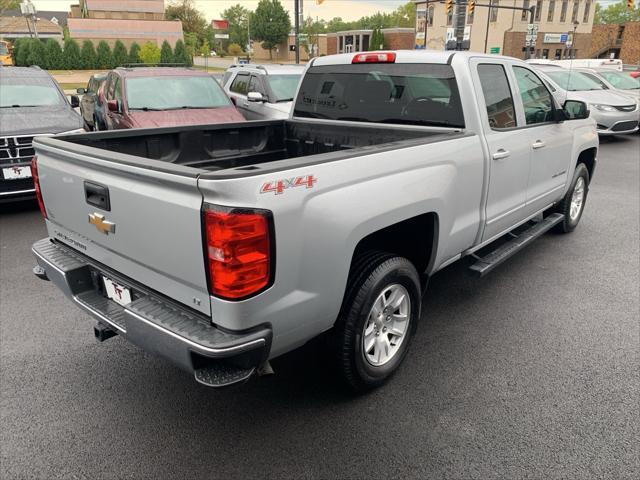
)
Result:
{"points": [[255, 97], [75, 101], [575, 110], [113, 106], [81, 91]]}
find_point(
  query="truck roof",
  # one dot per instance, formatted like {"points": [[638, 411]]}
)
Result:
{"points": [[404, 56], [269, 69]]}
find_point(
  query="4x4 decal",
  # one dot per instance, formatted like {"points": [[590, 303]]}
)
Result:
{"points": [[279, 186]]}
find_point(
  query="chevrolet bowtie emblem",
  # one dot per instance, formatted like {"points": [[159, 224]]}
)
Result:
{"points": [[101, 224]]}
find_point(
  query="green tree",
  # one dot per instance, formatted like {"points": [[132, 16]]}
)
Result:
{"points": [[191, 44], [53, 54], [17, 45], [238, 18], [234, 50], [193, 21], [36, 54], [71, 55], [270, 24], [180, 54], [9, 5], [88, 58], [104, 55], [23, 52], [120, 55], [166, 54], [134, 53], [616, 13], [405, 15], [150, 53]]}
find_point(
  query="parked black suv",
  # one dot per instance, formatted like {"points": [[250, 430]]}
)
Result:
{"points": [[31, 104]]}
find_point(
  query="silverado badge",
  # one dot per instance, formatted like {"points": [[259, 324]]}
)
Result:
{"points": [[101, 224]]}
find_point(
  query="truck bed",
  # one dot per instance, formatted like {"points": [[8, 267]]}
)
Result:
{"points": [[242, 145]]}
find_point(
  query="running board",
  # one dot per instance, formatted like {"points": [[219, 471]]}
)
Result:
{"points": [[485, 264]]}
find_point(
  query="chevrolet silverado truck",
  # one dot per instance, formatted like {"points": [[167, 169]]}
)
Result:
{"points": [[221, 247]]}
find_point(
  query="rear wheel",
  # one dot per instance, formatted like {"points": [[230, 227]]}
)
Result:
{"points": [[572, 205], [378, 318]]}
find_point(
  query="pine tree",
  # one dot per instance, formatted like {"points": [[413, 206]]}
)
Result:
{"points": [[120, 55], [105, 58], [71, 55], [180, 54], [23, 52], [36, 54], [166, 55], [88, 58], [53, 54], [134, 53]]}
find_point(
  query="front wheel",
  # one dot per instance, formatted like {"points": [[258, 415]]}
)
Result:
{"points": [[378, 318], [572, 205]]}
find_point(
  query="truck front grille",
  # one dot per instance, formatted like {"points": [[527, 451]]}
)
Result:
{"points": [[14, 150]]}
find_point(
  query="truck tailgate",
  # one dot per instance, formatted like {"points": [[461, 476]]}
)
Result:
{"points": [[150, 231]]}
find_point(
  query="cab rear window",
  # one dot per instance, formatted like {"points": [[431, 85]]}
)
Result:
{"points": [[408, 94]]}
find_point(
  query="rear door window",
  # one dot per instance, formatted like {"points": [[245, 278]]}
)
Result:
{"points": [[412, 94], [497, 96], [240, 84]]}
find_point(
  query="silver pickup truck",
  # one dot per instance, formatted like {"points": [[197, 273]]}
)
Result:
{"points": [[221, 247]]}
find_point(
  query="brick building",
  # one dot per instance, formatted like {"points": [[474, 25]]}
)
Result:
{"points": [[130, 21], [617, 41], [285, 53], [503, 31], [358, 40]]}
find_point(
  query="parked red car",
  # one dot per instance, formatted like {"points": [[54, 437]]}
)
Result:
{"points": [[145, 97]]}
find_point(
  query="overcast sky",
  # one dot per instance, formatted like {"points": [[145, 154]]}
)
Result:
{"points": [[347, 9]]}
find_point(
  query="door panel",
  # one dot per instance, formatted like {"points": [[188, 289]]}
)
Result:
{"points": [[510, 156]]}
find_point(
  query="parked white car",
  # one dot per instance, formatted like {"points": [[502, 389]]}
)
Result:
{"points": [[262, 92], [615, 113]]}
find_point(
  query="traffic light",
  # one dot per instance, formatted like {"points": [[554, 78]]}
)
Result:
{"points": [[630, 4], [448, 6], [471, 6]]}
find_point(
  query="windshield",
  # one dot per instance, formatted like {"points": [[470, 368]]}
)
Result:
{"points": [[28, 92], [4, 50], [174, 92], [283, 86], [575, 81], [620, 80], [412, 94]]}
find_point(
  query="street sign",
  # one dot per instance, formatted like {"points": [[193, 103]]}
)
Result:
{"points": [[564, 37], [467, 33], [222, 35], [494, 50], [529, 37], [451, 34]]}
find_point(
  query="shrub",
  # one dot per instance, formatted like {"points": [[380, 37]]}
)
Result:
{"points": [[104, 56], [134, 53], [120, 55], [53, 54], [150, 53], [234, 50], [36, 54], [88, 57], [166, 55], [71, 55]]}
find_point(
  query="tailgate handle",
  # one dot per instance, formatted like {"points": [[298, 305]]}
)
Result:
{"points": [[97, 195]]}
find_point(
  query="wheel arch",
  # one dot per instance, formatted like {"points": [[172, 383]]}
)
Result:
{"points": [[588, 158]]}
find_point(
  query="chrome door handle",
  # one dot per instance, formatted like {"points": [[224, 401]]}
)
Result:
{"points": [[245, 104], [538, 144], [500, 154]]}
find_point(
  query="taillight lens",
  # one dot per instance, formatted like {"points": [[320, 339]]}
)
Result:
{"points": [[238, 248], [388, 57], [36, 184]]}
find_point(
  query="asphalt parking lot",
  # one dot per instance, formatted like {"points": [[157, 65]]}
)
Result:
{"points": [[532, 372]]}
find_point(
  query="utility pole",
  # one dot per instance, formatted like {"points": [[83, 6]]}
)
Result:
{"points": [[297, 23], [459, 19]]}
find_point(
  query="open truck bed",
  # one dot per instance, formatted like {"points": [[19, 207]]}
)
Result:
{"points": [[244, 148]]}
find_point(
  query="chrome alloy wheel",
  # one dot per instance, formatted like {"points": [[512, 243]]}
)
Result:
{"points": [[386, 325], [577, 199]]}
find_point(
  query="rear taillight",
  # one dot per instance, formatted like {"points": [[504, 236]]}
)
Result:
{"points": [[239, 250], [36, 184], [388, 57]]}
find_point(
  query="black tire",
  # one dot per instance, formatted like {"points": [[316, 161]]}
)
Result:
{"points": [[569, 224], [371, 274]]}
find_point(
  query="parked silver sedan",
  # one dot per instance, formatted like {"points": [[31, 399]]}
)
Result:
{"points": [[621, 81], [614, 112]]}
